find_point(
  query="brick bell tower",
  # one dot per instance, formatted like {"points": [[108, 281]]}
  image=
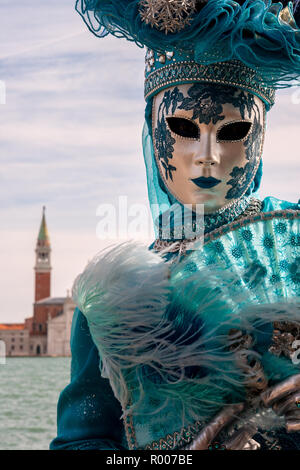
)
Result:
{"points": [[42, 265]]}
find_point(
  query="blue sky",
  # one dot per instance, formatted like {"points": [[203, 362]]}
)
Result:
{"points": [[70, 136]]}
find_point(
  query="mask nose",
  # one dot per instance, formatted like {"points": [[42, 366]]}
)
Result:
{"points": [[206, 154]]}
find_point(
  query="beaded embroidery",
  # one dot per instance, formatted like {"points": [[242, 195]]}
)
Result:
{"points": [[232, 73], [240, 209], [284, 336], [175, 441], [130, 433], [181, 246]]}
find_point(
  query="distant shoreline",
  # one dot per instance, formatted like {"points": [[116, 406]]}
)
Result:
{"points": [[35, 357]]}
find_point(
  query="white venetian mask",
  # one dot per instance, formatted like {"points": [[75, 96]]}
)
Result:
{"points": [[208, 142]]}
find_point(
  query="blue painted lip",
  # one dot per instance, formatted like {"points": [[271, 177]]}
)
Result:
{"points": [[206, 182]]}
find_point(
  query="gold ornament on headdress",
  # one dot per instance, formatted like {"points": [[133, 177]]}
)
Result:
{"points": [[169, 16]]}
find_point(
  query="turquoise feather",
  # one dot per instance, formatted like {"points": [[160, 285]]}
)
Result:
{"points": [[253, 33]]}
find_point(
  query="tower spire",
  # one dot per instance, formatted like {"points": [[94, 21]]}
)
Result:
{"points": [[42, 263], [43, 237]]}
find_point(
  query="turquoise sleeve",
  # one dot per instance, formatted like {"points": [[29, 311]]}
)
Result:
{"points": [[88, 414]]}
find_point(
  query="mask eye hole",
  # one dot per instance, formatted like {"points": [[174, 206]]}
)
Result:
{"points": [[234, 131], [183, 127]]}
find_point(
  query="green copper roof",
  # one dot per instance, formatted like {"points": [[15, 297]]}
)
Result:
{"points": [[43, 233]]}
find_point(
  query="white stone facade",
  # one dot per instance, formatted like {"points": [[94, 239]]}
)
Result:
{"points": [[59, 331], [16, 341], [37, 345]]}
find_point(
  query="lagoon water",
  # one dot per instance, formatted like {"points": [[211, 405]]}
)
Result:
{"points": [[29, 390]]}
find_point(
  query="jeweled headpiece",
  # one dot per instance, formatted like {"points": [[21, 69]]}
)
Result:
{"points": [[177, 70], [250, 44]]}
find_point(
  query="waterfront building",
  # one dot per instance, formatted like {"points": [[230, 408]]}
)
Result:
{"points": [[59, 330], [16, 339], [48, 331]]}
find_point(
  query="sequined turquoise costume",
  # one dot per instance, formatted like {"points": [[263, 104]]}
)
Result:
{"points": [[249, 258], [89, 415]]}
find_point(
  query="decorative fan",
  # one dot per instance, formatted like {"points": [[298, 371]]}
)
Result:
{"points": [[253, 272], [263, 255]]}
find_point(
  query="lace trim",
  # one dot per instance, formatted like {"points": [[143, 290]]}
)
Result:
{"points": [[130, 432], [178, 440], [175, 441], [182, 246], [223, 216]]}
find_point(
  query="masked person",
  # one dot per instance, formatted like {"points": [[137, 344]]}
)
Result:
{"points": [[190, 344]]}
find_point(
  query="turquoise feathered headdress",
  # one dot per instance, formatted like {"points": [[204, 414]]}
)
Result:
{"points": [[251, 44]]}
